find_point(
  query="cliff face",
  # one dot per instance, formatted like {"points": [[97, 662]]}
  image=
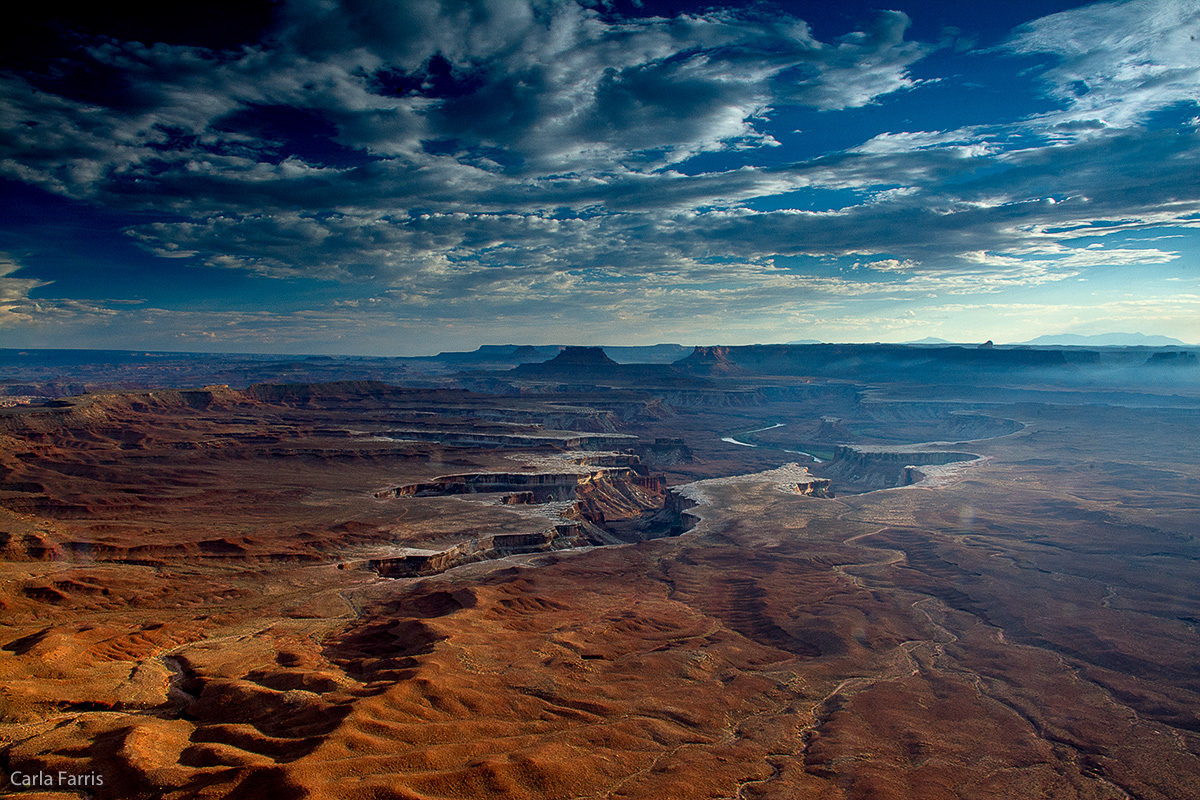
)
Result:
{"points": [[604, 499], [607, 512], [860, 469], [557, 537], [844, 360], [710, 361], [540, 483], [1173, 358], [665, 451], [815, 487], [611, 506], [578, 368], [581, 357]]}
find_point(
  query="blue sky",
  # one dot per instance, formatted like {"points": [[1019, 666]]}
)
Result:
{"points": [[348, 176]]}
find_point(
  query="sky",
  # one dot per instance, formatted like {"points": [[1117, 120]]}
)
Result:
{"points": [[401, 178]]}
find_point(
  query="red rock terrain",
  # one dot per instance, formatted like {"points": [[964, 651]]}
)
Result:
{"points": [[190, 607]]}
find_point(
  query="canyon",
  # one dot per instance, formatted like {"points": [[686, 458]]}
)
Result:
{"points": [[536, 572]]}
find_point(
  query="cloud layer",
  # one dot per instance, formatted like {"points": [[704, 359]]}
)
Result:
{"points": [[504, 159]]}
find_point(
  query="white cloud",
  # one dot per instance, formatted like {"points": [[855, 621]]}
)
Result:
{"points": [[15, 306], [1118, 61]]}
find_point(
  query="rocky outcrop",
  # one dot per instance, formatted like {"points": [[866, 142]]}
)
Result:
{"points": [[602, 498], [665, 452], [671, 519], [710, 361], [581, 357], [859, 360], [418, 564], [544, 485], [832, 429], [1173, 358], [612, 506], [858, 469], [815, 487], [577, 369]]}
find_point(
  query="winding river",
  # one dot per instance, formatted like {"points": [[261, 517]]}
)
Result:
{"points": [[732, 440]]}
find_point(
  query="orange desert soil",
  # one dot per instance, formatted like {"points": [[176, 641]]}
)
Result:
{"points": [[189, 610]]}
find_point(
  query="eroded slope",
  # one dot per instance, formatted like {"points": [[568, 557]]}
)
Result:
{"points": [[1023, 627]]}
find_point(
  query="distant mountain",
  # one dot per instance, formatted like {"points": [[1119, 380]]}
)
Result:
{"points": [[580, 357], [931, 340], [508, 354], [807, 341], [1106, 340], [588, 364]]}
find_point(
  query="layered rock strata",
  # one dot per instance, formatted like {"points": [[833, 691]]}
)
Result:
{"points": [[416, 564]]}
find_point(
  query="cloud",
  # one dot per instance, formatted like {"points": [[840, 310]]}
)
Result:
{"points": [[1105, 186], [529, 89], [1118, 62], [861, 67], [505, 159], [15, 306]]}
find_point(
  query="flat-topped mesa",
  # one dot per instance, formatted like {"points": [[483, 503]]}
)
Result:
{"points": [[709, 361], [1172, 358], [582, 357], [574, 362], [586, 364], [888, 360], [857, 468]]}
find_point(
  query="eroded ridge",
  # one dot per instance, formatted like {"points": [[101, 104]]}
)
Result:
{"points": [[860, 468], [175, 617], [603, 507]]}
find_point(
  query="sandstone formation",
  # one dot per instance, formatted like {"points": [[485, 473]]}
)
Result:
{"points": [[220, 593]]}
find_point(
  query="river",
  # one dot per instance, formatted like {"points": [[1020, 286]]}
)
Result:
{"points": [[732, 440]]}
